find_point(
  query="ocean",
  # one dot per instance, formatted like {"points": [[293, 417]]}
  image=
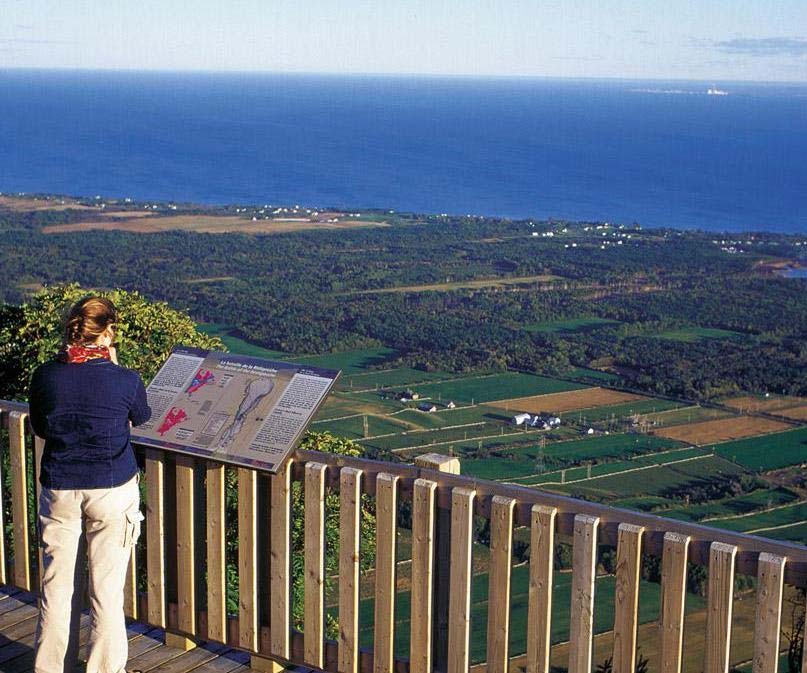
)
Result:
{"points": [[656, 153]]}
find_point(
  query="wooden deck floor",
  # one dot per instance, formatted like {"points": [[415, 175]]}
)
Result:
{"points": [[147, 649]]}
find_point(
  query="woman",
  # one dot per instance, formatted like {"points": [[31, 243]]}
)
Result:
{"points": [[81, 403]]}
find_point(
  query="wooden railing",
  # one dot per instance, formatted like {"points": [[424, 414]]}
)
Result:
{"points": [[178, 578]]}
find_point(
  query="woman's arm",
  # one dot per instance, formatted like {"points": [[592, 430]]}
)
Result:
{"points": [[36, 412], [140, 411]]}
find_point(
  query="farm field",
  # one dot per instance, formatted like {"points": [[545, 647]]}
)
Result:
{"points": [[794, 533], [744, 504], [585, 375], [694, 334], [389, 378], [599, 447], [760, 403], [721, 430], [350, 362], [571, 325], [463, 440], [794, 414], [493, 387], [499, 469], [511, 444], [479, 413], [786, 406], [619, 412], [209, 224], [634, 465], [239, 346], [658, 480], [353, 427], [759, 523], [771, 452], [568, 401], [684, 415], [339, 405]]}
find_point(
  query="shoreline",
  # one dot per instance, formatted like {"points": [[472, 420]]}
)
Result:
{"points": [[127, 208]]}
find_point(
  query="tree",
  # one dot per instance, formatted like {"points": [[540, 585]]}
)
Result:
{"points": [[147, 331]]}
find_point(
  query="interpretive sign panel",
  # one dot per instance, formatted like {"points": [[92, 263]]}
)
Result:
{"points": [[238, 409]]}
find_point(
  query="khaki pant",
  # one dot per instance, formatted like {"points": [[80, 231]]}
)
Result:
{"points": [[104, 523]]}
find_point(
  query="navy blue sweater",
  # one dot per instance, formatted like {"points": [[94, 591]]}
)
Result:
{"points": [[82, 411]]}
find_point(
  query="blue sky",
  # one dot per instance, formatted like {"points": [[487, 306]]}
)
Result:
{"points": [[667, 39]]}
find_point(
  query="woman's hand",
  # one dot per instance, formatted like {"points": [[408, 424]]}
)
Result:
{"points": [[113, 354]]}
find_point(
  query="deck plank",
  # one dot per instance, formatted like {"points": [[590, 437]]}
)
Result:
{"points": [[21, 613], [13, 602], [147, 649], [190, 660]]}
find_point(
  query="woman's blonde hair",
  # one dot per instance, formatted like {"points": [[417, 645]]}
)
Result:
{"points": [[88, 319]]}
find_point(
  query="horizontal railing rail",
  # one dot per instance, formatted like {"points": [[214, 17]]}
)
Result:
{"points": [[181, 574]]}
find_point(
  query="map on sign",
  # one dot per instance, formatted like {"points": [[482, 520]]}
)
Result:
{"points": [[233, 408]]}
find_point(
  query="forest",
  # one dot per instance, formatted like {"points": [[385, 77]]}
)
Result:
{"points": [[682, 314]]}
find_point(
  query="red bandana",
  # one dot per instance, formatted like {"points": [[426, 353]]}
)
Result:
{"points": [[78, 353]]}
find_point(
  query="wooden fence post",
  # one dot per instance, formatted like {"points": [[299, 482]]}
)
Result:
{"points": [[442, 562]]}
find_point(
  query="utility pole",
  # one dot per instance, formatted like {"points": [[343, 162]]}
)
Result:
{"points": [[539, 465]]}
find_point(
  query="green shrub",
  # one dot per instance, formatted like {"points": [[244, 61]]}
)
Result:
{"points": [[147, 331]]}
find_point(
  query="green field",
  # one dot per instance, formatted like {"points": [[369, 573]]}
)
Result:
{"points": [[694, 334], [789, 514], [794, 533], [743, 504], [459, 437], [478, 413], [769, 452], [571, 325], [643, 503], [353, 427], [239, 346], [595, 376], [652, 481], [498, 468], [599, 447], [494, 387], [350, 362], [685, 415], [623, 410], [339, 404], [617, 467], [390, 378], [649, 603]]}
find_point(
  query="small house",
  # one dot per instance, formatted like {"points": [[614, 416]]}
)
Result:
{"points": [[521, 419], [427, 407]]}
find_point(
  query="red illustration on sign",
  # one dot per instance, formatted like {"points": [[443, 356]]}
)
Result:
{"points": [[175, 415]]}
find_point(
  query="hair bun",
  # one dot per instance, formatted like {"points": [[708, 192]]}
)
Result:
{"points": [[88, 319]]}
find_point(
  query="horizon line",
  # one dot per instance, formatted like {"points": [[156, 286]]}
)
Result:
{"points": [[410, 75]]}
